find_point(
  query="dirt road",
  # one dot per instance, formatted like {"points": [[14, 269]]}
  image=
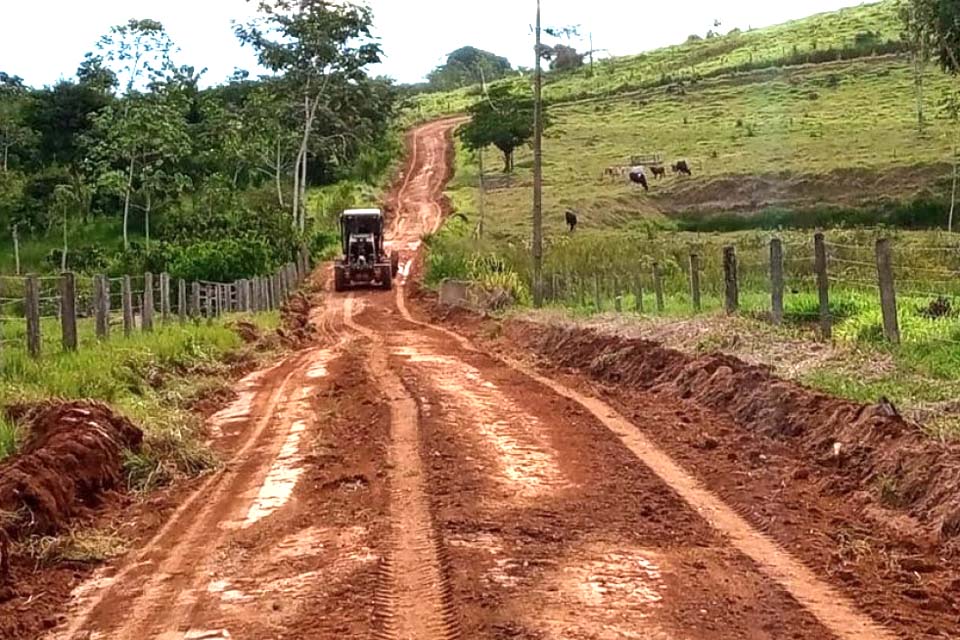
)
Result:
{"points": [[395, 482]]}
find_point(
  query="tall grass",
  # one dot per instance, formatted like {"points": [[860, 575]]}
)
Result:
{"points": [[150, 377]]}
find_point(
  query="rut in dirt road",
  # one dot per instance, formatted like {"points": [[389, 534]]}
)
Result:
{"points": [[414, 593]]}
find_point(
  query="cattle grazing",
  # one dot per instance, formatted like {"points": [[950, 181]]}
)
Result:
{"points": [[639, 176], [571, 220], [682, 167], [659, 172]]}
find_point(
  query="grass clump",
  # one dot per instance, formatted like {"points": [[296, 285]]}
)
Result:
{"points": [[87, 546]]}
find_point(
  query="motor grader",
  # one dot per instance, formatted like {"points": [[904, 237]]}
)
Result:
{"points": [[364, 262]]}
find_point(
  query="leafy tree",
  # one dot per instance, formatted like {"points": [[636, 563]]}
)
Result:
{"points": [[565, 58], [468, 66], [137, 147], [14, 133], [62, 117], [138, 52], [917, 32], [504, 120], [323, 49]]}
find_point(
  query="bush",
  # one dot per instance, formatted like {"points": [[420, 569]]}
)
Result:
{"points": [[221, 260]]}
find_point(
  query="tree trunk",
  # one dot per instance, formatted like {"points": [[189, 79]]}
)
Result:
{"points": [[279, 182], [126, 208], [303, 194], [6, 157], [953, 193], [146, 219], [296, 190]]}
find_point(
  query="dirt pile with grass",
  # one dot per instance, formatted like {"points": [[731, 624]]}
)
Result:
{"points": [[860, 445], [71, 460]]}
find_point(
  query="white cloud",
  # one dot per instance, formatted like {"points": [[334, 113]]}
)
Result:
{"points": [[43, 41]]}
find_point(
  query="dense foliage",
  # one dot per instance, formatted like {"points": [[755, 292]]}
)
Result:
{"points": [[206, 182]]}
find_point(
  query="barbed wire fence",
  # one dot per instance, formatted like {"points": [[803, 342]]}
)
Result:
{"points": [[905, 281], [33, 306]]}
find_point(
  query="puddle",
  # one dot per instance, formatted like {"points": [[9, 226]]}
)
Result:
{"points": [[319, 369], [282, 478]]}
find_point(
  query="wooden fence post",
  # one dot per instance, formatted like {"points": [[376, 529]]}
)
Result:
{"points": [[165, 297], [731, 286], [776, 281], [210, 303], [68, 310], [658, 286], [147, 320], [182, 300], [888, 295], [32, 312], [257, 294], [101, 304], [638, 293], [695, 281], [127, 302], [617, 295], [823, 285], [195, 301]]}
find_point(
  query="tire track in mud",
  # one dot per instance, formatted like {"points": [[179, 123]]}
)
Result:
{"points": [[155, 589], [833, 610], [414, 594]]}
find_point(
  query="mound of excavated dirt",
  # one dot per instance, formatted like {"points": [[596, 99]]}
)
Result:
{"points": [[248, 332], [73, 454], [862, 445], [296, 330]]}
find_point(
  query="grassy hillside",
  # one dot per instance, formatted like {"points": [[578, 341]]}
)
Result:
{"points": [[857, 31]]}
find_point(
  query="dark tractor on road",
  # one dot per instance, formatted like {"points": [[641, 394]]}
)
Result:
{"points": [[364, 261]]}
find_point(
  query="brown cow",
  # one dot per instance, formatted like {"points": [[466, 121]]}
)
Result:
{"points": [[658, 172], [682, 167]]}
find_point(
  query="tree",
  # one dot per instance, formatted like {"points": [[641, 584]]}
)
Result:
{"points": [[322, 48], [941, 20], [137, 148], [63, 116], [14, 133], [468, 66], [504, 120], [918, 34], [138, 53], [565, 58]]}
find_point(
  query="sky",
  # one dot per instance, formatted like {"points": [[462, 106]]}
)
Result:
{"points": [[45, 40]]}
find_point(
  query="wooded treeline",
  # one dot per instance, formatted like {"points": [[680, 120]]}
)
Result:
{"points": [[204, 183]]}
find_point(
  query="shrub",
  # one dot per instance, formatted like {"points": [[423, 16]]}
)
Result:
{"points": [[221, 260]]}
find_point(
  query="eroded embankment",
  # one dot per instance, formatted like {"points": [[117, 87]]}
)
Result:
{"points": [[860, 444]]}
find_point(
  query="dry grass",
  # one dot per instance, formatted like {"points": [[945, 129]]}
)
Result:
{"points": [[89, 546]]}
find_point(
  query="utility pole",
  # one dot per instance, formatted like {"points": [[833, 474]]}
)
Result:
{"points": [[537, 174]]}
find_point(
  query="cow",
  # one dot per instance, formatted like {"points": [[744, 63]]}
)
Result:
{"points": [[639, 176], [658, 172], [571, 220], [614, 172], [682, 167]]}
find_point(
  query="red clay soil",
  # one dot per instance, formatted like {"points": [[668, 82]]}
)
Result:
{"points": [[72, 457], [296, 330], [858, 493]]}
